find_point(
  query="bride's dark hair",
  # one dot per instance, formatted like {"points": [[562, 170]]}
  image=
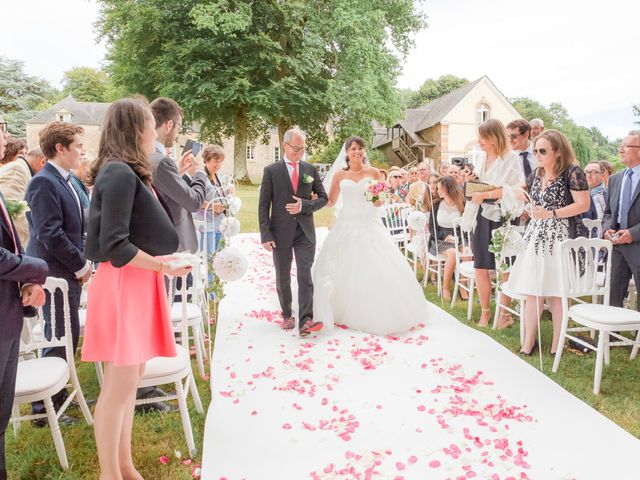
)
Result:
{"points": [[347, 145]]}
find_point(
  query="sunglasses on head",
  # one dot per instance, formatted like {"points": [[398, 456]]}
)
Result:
{"points": [[541, 151]]}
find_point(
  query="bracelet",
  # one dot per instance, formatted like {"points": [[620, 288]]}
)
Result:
{"points": [[161, 267], [554, 213]]}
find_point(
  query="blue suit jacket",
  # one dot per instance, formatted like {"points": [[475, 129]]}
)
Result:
{"points": [[56, 224], [15, 270]]}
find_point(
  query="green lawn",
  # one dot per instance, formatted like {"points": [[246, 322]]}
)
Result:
{"points": [[32, 455]]}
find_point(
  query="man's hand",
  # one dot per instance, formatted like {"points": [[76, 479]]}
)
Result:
{"points": [[296, 207], [607, 235], [185, 162], [33, 296], [624, 237], [85, 278], [269, 246], [218, 208]]}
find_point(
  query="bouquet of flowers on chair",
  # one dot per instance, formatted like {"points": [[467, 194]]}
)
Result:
{"points": [[376, 191]]}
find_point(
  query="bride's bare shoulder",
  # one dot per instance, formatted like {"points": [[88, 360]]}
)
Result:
{"points": [[374, 172]]}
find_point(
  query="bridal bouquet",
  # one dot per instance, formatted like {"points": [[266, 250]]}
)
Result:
{"points": [[376, 191]]}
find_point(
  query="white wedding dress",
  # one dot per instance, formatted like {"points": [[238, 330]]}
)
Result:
{"points": [[361, 278]]}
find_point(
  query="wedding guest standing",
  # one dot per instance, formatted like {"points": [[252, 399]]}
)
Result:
{"points": [[519, 132], [621, 223], [443, 169], [15, 149], [559, 194], [128, 318], [537, 127], [21, 278], [597, 191], [608, 169], [501, 169]]}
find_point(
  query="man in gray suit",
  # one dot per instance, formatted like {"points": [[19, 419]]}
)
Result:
{"points": [[291, 191], [621, 221], [179, 197]]}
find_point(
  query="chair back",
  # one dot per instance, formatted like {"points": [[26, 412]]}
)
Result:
{"points": [[203, 248], [462, 241], [586, 268], [594, 227], [394, 216], [185, 293]]}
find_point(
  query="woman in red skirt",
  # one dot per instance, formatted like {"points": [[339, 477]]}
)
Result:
{"points": [[128, 312]]}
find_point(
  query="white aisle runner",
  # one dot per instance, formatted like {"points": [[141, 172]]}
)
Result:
{"points": [[441, 402]]}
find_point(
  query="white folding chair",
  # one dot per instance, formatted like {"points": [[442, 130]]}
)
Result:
{"points": [[464, 268], [592, 225], [42, 377], [586, 271], [394, 216], [203, 294], [177, 371]]}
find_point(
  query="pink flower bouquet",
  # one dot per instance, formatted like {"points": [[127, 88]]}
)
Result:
{"points": [[376, 191]]}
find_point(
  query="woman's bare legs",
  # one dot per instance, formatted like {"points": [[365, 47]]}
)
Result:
{"points": [[532, 311], [484, 294], [127, 468]]}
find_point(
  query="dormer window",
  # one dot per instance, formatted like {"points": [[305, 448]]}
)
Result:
{"points": [[483, 113], [64, 115]]}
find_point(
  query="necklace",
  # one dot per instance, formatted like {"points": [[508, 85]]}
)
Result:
{"points": [[361, 170]]}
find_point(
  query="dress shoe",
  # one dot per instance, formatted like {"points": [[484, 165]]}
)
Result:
{"points": [[528, 354], [63, 420]]}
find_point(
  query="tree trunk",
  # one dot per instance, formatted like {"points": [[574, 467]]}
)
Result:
{"points": [[240, 172], [283, 126]]}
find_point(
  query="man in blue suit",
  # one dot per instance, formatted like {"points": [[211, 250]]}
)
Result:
{"points": [[20, 287], [56, 226]]}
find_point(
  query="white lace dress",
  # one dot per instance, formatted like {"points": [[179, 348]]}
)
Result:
{"points": [[361, 279]]}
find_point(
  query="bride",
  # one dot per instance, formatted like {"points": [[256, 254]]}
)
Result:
{"points": [[361, 279]]}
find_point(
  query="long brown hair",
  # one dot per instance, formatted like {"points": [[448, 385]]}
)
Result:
{"points": [[560, 144], [454, 191], [494, 131], [121, 138], [427, 203]]}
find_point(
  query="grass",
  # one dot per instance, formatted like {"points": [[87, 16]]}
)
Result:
{"points": [[31, 456]]}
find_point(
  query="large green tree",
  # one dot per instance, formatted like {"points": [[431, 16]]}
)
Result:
{"points": [[87, 84], [636, 113], [239, 66], [22, 95], [435, 88]]}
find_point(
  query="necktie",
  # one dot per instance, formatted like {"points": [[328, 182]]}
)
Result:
{"points": [[525, 164], [626, 199], [294, 176], [7, 219]]}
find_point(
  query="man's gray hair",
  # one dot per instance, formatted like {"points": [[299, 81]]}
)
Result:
{"points": [[635, 133], [288, 135], [536, 121], [35, 152], [424, 164]]}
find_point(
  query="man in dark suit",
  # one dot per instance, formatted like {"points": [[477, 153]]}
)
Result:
{"points": [[285, 212], [181, 197], [56, 228], [21, 278], [621, 222]]}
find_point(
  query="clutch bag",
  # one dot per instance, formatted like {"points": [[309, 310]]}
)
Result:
{"points": [[474, 187]]}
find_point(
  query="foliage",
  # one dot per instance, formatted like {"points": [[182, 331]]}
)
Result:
{"points": [[87, 84], [22, 95], [237, 66], [432, 89], [636, 113], [16, 208]]}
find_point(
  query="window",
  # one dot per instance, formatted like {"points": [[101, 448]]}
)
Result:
{"points": [[482, 113], [251, 153], [277, 155]]}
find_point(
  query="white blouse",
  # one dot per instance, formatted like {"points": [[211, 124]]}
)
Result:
{"points": [[447, 214]]}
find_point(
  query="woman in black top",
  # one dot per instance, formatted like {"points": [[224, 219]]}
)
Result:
{"points": [[128, 318]]}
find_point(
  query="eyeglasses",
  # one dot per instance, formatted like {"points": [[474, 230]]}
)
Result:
{"points": [[395, 176], [3, 127], [295, 148], [541, 151], [622, 146]]}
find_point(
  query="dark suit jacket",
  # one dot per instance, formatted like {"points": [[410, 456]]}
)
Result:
{"points": [[610, 219], [180, 197], [56, 224], [276, 224], [126, 216], [14, 271]]}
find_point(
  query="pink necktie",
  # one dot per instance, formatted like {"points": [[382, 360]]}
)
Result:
{"points": [[294, 176], [7, 219]]}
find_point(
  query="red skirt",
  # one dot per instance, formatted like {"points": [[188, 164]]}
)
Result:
{"points": [[128, 320]]}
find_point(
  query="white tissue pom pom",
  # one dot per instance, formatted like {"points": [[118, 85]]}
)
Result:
{"points": [[230, 264], [230, 226], [234, 206], [417, 220]]}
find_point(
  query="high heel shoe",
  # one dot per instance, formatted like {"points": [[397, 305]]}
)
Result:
{"points": [[528, 354]]}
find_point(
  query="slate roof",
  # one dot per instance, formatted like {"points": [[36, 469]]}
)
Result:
{"points": [[84, 113]]}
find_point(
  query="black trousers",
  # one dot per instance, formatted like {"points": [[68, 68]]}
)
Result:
{"points": [[304, 251], [625, 263], [75, 290], [9, 348]]}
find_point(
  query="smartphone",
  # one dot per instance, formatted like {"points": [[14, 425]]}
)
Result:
{"points": [[193, 146]]}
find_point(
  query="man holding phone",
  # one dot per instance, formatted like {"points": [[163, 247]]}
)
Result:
{"points": [[180, 198]]}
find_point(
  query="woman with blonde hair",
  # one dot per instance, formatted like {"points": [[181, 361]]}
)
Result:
{"points": [[485, 210], [559, 194]]}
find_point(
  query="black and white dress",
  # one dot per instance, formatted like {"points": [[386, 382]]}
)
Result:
{"points": [[537, 270]]}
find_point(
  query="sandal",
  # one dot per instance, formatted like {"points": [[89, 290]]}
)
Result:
{"points": [[309, 327], [506, 323], [486, 323]]}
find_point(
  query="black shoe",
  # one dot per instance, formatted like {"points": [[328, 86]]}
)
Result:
{"points": [[528, 354], [162, 407], [63, 420], [74, 402]]}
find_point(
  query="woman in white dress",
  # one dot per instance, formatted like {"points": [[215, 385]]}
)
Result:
{"points": [[361, 279]]}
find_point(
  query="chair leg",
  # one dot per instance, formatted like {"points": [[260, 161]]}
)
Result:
{"points": [[83, 405], [99, 372], [634, 350], [15, 413], [439, 277], [56, 434], [599, 360], [186, 420], [193, 388], [522, 309], [607, 348], [498, 303], [563, 334], [470, 304], [456, 286], [197, 343]]}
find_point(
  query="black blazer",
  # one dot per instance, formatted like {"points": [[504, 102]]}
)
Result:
{"points": [[610, 219], [125, 216], [15, 270], [276, 191], [56, 224]]}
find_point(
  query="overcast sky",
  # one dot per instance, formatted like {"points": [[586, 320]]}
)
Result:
{"points": [[583, 54]]}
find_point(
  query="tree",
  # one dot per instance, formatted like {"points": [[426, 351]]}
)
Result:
{"points": [[432, 89], [87, 84], [636, 113], [239, 66], [530, 109]]}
